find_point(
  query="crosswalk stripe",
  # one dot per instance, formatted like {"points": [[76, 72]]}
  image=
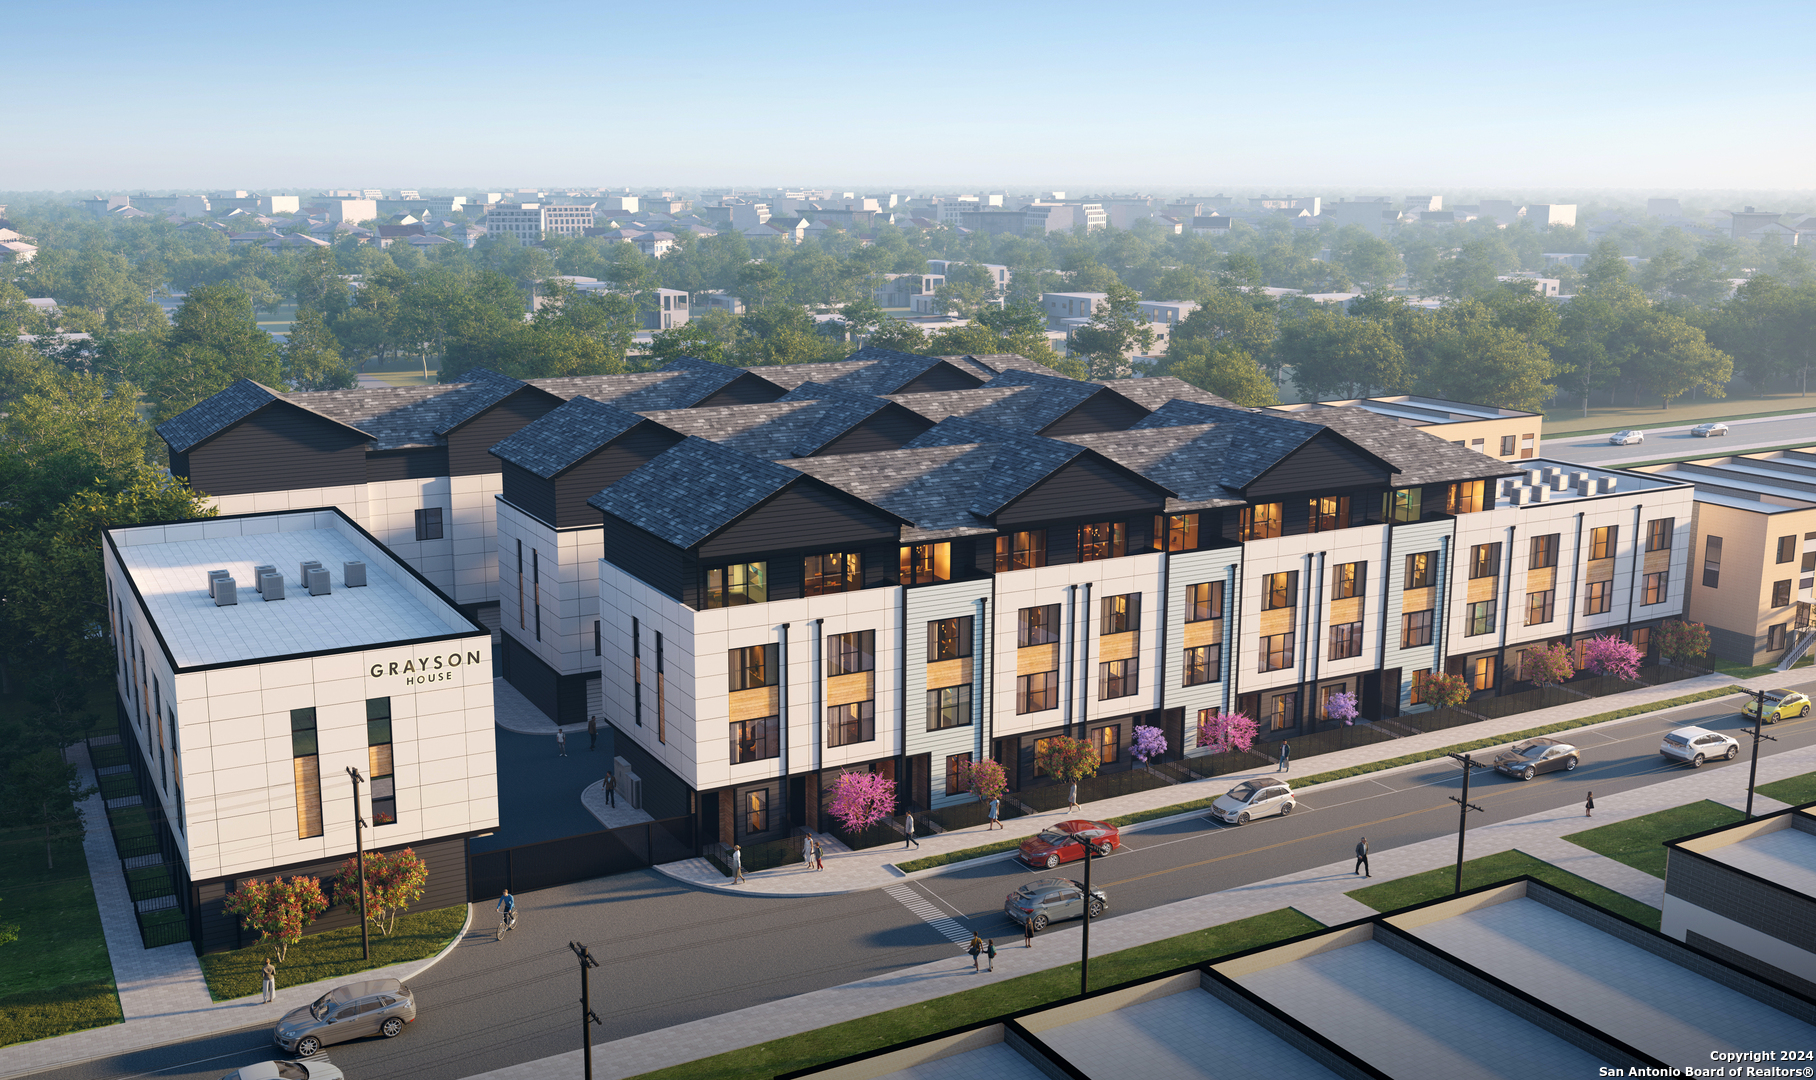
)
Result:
{"points": [[924, 910]]}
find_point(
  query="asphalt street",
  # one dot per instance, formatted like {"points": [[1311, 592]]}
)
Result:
{"points": [[1676, 442], [671, 954]]}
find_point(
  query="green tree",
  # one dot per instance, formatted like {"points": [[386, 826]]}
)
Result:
{"points": [[42, 791], [1670, 357], [312, 359], [1469, 358], [1369, 260], [1335, 355], [1226, 371], [215, 342], [704, 337], [1116, 331], [1605, 266]]}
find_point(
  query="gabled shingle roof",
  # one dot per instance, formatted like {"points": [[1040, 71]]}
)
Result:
{"points": [[1151, 393], [836, 412], [1422, 458], [560, 439], [214, 414], [1182, 459], [1019, 461], [930, 486], [692, 490], [765, 431], [482, 389]]}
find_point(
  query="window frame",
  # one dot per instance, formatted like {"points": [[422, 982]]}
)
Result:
{"points": [[963, 629], [854, 647], [1277, 651], [1660, 533], [1118, 678], [1480, 617], [1264, 525], [949, 701], [1022, 550], [925, 564], [1328, 513], [1280, 590], [1210, 602], [430, 519], [1100, 540], [1346, 640], [1416, 624], [1427, 573], [1655, 588], [1711, 575], [753, 588], [1485, 561], [1349, 580], [851, 723], [1548, 606], [766, 667], [848, 575], [1036, 692], [766, 744], [1595, 592], [1541, 552], [1604, 542], [1176, 532], [1119, 614], [1201, 664]]}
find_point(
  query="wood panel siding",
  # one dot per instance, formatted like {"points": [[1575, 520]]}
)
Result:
{"points": [[308, 796], [469, 445], [1542, 580], [806, 512], [1482, 588], [278, 448], [948, 673], [941, 376], [378, 760], [532, 494], [889, 428], [847, 689], [1657, 561], [1600, 570], [1037, 658], [1278, 621], [754, 704], [1418, 599], [1327, 462], [416, 463], [1346, 611], [1105, 410], [1118, 646], [603, 468], [655, 562], [1085, 484], [1203, 632], [746, 389]]}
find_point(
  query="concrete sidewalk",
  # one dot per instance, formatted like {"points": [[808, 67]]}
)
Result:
{"points": [[1319, 892], [871, 868]]}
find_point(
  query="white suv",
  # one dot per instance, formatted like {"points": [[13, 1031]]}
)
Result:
{"points": [[1626, 438], [1253, 799], [1696, 745]]}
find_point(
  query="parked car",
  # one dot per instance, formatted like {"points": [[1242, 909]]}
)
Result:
{"points": [[1535, 756], [1626, 438], [286, 1070], [1780, 705], [349, 1011], [1253, 799], [1066, 841], [1708, 431], [1049, 900], [1696, 745]]}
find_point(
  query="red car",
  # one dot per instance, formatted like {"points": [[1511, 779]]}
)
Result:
{"points": [[1066, 841]]}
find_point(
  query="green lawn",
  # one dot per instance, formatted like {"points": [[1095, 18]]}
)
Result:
{"points": [[1567, 418], [419, 934], [1489, 869], [1743, 671], [1640, 842], [970, 1006], [56, 978], [1795, 790]]}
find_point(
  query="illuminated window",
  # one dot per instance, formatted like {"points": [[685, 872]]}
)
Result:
{"points": [[926, 564], [1659, 533], [1599, 598], [1421, 570], [1602, 542], [1037, 625], [1203, 664], [1329, 512], [1539, 607], [1402, 506], [1466, 497], [1415, 629], [1204, 601], [737, 585], [949, 639], [1484, 561], [1102, 540], [380, 767], [1482, 673], [1345, 640], [1657, 586], [1258, 522], [1175, 532], [1119, 614], [1348, 580], [753, 667], [1543, 552], [1021, 550], [1117, 678], [833, 572], [1108, 740], [1279, 590], [1277, 652]]}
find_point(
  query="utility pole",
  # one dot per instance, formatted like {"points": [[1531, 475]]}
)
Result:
{"points": [[1759, 719], [1084, 964], [587, 1017], [359, 847], [1464, 806]]}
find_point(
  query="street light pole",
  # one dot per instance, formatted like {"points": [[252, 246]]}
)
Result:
{"points": [[1084, 964], [359, 847], [1464, 806], [587, 1016], [1759, 719]]}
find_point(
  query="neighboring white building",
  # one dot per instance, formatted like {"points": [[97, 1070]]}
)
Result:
{"points": [[530, 222]]}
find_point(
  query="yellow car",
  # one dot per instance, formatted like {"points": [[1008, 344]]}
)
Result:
{"points": [[1780, 705]]}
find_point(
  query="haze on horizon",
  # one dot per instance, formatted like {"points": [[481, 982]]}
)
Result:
{"points": [[1550, 97]]}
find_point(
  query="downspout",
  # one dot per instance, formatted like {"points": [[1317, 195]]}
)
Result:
{"points": [[1084, 659], [979, 658], [1160, 641], [1506, 604], [1232, 632], [1071, 639], [901, 683], [1638, 563], [1576, 577], [782, 701], [1314, 626], [819, 688], [1441, 632]]}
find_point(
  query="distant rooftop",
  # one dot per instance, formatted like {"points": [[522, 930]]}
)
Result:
{"points": [[1768, 483], [1413, 409]]}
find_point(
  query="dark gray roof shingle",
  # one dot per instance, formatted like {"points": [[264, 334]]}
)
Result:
{"points": [[558, 440], [1019, 462], [214, 414], [768, 430], [692, 490], [479, 390], [931, 486]]}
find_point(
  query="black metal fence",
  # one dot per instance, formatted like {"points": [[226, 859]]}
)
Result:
{"points": [[1052, 796], [1588, 687], [528, 867], [135, 821], [968, 815]]}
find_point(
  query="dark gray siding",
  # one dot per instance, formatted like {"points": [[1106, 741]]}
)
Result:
{"points": [[468, 445], [532, 494], [654, 562], [942, 376], [415, 464], [562, 697], [805, 513], [1105, 410], [1086, 484], [1324, 464], [746, 389], [604, 468], [887, 429], [278, 448]]}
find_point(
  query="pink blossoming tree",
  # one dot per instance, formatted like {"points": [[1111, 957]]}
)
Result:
{"points": [[1150, 743], [1609, 655], [1222, 733], [985, 779], [278, 910], [1342, 706], [860, 800]]}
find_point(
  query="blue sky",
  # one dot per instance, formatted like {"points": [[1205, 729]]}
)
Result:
{"points": [[1544, 99]]}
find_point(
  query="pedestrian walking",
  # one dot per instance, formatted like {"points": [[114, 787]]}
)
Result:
{"points": [[819, 855], [592, 732], [561, 741], [807, 849], [908, 827], [976, 949], [611, 789], [1027, 933], [990, 951], [1362, 858], [1589, 805], [270, 980], [996, 806], [1286, 752], [1072, 796], [737, 865]]}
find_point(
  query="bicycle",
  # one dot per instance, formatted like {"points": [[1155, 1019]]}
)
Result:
{"points": [[506, 924]]}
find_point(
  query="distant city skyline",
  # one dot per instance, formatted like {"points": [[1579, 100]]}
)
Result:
{"points": [[1551, 100]]}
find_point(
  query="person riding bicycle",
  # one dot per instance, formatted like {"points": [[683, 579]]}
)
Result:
{"points": [[507, 908]]}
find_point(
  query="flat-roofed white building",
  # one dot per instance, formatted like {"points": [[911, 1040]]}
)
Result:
{"points": [[262, 656], [1747, 893]]}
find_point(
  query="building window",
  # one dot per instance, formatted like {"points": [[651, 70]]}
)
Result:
{"points": [[1037, 625], [636, 672], [949, 707], [1119, 614], [1420, 679], [1543, 552], [958, 778], [1787, 548], [1203, 664], [1481, 675], [848, 654], [1507, 446], [1403, 506], [522, 615], [755, 740], [1421, 570], [1175, 532], [1484, 561], [1602, 542], [1279, 590], [756, 812], [1781, 593], [1466, 497], [1258, 522], [1712, 562], [753, 667], [1539, 607], [1659, 533], [1777, 637], [306, 766], [596, 638], [1348, 580], [1108, 740], [1656, 586], [1282, 711], [1277, 652], [852, 723], [737, 585], [1204, 601], [378, 761], [926, 564], [949, 639], [428, 523], [1642, 640], [1481, 618], [1117, 678], [1415, 629], [1345, 640], [1329, 512], [833, 572], [536, 589], [1036, 691], [1102, 540], [1021, 550], [1599, 599], [1325, 693]]}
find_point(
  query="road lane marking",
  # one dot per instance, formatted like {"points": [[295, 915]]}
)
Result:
{"points": [[925, 910]]}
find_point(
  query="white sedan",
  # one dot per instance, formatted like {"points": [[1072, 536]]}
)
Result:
{"points": [[1697, 745], [316, 1068], [1253, 799], [1626, 438]]}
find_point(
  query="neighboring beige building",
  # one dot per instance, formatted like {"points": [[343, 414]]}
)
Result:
{"points": [[1755, 556], [1507, 434]]}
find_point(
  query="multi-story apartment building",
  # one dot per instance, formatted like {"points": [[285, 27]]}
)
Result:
{"points": [[530, 222], [1508, 434]]}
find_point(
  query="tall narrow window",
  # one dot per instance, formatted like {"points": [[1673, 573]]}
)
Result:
{"points": [[662, 694], [1329, 512], [596, 641], [381, 768], [737, 585], [1781, 593], [1657, 587], [1787, 548], [1540, 607], [1108, 741], [926, 564], [957, 774], [1482, 670], [522, 615], [176, 769], [1021, 550], [851, 702], [1419, 681], [1102, 540], [1542, 552], [1659, 533], [636, 672], [306, 766], [1258, 522], [536, 589], [1283, 712], [1712, 562], [1175, 532], [1599, 598], [1602, 542], [833, 572]]}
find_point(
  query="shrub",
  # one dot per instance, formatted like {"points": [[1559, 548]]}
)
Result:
{"points": [[1066, 759], [1150, 743], [860, 800], [1610, 655], [1342, 706], [1222, 732], [985, 779], [1682, 640], [393, 882], [1550, 667], [278, 910], [1447, 691]]}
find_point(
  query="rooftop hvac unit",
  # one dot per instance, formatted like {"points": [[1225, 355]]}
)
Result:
{"points": [[271, 586], [1559, 481], [258, 576], [1583, 486], [1608, 483], [355, 575], [302, 570], [1522, 496], [318, 581], [1542, 494], [226, 593], [214, 576]]}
